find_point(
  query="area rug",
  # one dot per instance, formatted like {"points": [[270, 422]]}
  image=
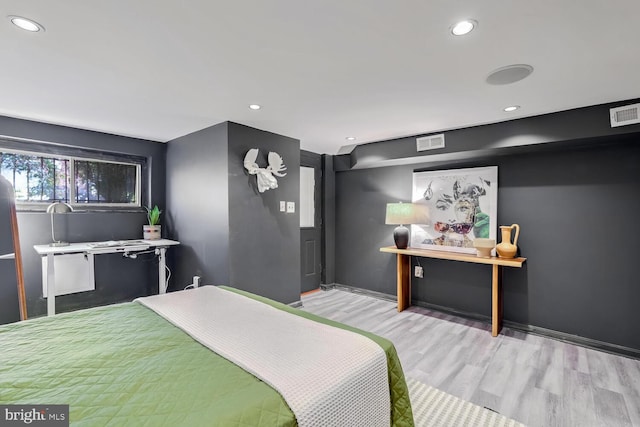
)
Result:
{"points": [[435, 408]]}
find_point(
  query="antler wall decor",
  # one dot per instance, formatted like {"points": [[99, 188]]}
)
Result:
{"points": [[265, 176]]}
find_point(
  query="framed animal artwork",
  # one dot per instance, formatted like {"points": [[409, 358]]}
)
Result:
{"points": [[463, 206]]}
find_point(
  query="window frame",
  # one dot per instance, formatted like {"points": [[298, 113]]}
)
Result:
{"points": [[78, 154]]}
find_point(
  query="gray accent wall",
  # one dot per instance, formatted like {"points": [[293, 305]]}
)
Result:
{"points": [[117, 278], [577, 207], [264, 242], [328, 219], [197, 206], [239, 237], [544, 132]]}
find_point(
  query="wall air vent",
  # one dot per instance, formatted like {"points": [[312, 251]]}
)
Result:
{"points": [[626, 115], [430, 142]]}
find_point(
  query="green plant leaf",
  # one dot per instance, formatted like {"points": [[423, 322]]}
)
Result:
{"points": [[153, 215]]}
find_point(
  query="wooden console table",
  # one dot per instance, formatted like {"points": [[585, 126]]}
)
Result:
{"points": [[404, 276]]}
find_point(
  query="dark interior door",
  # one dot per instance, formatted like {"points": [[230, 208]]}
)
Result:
{"points": [[310, 221]]}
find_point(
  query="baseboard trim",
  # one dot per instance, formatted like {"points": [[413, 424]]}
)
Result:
{"points": [[366, 292], [327, 287], [536, 330], [575, 339]]}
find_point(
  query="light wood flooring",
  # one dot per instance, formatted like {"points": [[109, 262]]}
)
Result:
{"points": [[535, 380]]}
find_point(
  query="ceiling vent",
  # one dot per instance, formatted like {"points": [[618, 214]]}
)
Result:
{"points": [[627, 115], [430, 142]]}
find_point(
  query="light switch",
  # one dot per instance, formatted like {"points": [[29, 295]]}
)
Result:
{"points": [[283, 207], [291, 207]]}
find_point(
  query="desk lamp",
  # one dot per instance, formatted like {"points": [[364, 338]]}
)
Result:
{"points": [[56, 208], [405, 213]]}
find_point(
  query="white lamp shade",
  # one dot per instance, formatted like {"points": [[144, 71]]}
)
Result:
{"points": [[407, 213]]}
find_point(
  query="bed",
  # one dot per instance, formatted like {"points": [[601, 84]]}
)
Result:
{"points": [[133, 364]]}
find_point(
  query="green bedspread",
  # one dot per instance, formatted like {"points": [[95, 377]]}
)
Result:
{"points": [[125, 365]]}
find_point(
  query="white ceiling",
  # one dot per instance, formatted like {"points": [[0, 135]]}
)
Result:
{"points": [[321, 70]]}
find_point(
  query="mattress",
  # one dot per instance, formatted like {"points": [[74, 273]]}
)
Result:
{"points": [[125, 365]]}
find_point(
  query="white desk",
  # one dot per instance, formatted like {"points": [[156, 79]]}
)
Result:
{"points": [[122, 246]]}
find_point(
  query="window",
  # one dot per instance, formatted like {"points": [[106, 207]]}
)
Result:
{"points": [[41, 178], [307, 194]]}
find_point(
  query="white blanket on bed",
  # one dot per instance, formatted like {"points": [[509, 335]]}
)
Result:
{"points": [[327, 376]]}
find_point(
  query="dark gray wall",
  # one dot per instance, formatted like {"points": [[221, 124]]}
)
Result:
{"points": [[577, 209], [264, 242], [197, 206], [329, 218], [514, 136], [230, 233], [117, 278]]}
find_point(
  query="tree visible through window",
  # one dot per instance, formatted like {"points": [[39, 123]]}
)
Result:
{"points": [[102, 182], [44, 179]]}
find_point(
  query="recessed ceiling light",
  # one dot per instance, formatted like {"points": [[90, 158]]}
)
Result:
{"points": [[350, 138], [255, 107], [26, 24], [511, 108], [463, 27]]}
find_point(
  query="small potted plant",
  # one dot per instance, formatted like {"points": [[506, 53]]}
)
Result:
{"points": [[153, 230]]}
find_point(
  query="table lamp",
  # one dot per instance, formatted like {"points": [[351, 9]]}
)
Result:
{"points": [[56, 208], [405, 213]]}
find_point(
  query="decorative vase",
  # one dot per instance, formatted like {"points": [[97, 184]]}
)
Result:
{"points": [[151, 232], [484, 247], [506, 249]]}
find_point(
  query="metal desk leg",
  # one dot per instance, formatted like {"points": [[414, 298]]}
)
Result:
{"points": [[51, 286], [162, 271]]}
